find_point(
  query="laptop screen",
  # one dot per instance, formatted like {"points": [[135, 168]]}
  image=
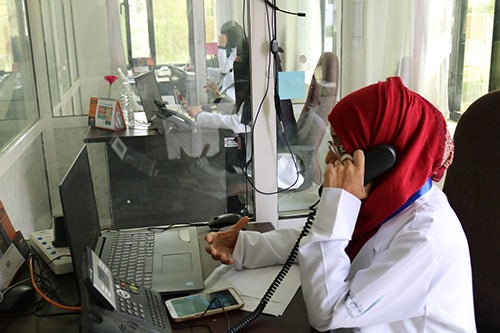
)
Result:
{"points": [[79, 209], [149, 91]]}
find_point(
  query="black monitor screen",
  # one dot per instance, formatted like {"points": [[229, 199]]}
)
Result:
{"points": [[79, 209]]}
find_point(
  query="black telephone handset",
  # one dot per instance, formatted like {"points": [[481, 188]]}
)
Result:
{"points": [[377, 161], [181, 120]]}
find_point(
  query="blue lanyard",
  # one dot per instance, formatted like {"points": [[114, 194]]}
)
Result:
{"points": [[427, 186]]}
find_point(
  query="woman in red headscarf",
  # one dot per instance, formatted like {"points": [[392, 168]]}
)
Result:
{"points": [[390, 256]]}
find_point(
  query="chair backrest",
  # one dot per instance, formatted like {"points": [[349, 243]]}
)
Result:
{"points": [[308, 132], [472, 185]]}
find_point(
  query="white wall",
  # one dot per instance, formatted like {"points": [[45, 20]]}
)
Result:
{"points": [[24, 190]]}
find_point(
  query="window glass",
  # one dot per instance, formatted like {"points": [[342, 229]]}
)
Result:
{"points": [[50, 52], [18, 107], [308, 45], [61, 35], [60, 57], [477, 53], [171, 32], [201, 171], [441, 49]]}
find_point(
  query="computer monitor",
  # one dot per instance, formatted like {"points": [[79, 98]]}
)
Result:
{"points": [[149, 92], [79, 206]]}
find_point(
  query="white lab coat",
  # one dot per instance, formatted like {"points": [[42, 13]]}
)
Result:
{"points": [[218, 120], [226, 71], [226, 121], [413, 275]]}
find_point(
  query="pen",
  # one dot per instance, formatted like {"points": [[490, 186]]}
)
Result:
{"points": [[184, 104], [179, 96]]}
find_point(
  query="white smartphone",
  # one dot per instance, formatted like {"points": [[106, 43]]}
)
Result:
{"points": [[193, 306]]}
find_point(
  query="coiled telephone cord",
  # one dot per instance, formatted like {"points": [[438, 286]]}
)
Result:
{"points": [[280, 277]]}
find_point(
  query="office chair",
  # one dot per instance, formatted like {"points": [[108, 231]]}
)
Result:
{"points": [[472, 185], [313, 123]]}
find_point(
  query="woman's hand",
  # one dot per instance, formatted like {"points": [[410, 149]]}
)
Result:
{"points": [[221, 244], [193, 110], [212, 89], [348, 174]]}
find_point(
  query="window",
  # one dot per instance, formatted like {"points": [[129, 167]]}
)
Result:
{"points": [[301, 146], [61, 58], [162, 36], [179, 41], [18, 106], [473, 72], [444, 50]]}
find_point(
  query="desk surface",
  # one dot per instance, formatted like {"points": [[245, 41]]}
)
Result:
{"points": [[100, 135], [293, 320]]}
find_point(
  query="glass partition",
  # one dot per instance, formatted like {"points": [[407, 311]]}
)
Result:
{"points": [[199, 54], [308, 46], [18, 107]]}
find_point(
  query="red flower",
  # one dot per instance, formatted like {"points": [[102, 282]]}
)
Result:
{"points": [[110, 78]]}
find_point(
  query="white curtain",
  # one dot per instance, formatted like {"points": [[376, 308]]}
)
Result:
{"points": [[227, 10], [116, 50], [300, 37], [410, 38]]}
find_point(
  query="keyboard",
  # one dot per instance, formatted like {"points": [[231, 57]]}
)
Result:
{"points": [[131, 257]]}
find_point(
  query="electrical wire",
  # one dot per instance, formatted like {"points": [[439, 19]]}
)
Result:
{"points": [[276, 8], [45, 297], [216, 299], [271, 29]]}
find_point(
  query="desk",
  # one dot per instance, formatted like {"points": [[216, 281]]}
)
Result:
{"points": [[46, 320], [294, 319], [145, 186]]}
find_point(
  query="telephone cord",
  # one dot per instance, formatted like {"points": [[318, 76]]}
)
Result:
{"points": [[279, 277]]}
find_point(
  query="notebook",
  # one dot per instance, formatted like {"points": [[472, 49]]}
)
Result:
{"points": [[172, 266]]}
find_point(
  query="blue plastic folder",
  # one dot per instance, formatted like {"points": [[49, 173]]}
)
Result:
{"points": [[291, 85]]}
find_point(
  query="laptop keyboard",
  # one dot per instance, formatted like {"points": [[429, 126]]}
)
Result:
{"points": [[131, 257]]}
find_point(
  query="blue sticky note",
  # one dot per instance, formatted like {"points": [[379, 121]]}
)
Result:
{"points": [[291, 85]]}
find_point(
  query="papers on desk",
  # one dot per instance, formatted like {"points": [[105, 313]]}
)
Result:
{"points": [[252, 284], [10, 261]]}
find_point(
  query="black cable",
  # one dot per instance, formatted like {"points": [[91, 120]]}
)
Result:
{"points": [[274, 49], [280, 277], [216, 299], [45, 285], [276, 8], [247, 196]]}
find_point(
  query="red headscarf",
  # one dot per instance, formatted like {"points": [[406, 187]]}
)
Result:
{"points": [[390, 113]]}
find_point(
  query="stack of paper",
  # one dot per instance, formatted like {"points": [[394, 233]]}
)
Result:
{"points": [[252, 284]]}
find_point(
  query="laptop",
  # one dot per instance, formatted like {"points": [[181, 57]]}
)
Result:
{"points": [[181, 133], [171, 266], [154, 107]]}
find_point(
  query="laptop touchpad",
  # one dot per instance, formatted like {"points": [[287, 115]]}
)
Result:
{"points": [[177, 262]]}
